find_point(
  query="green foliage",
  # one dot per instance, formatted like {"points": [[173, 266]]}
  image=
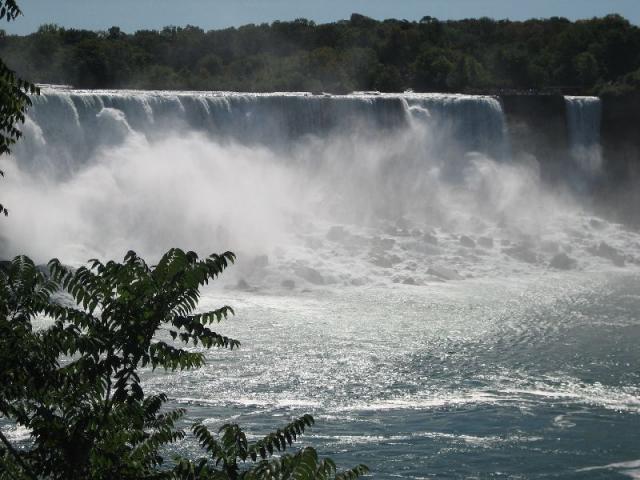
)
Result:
{"points": [[14, 95], [230, 449], [75, 383], [356, 54]]}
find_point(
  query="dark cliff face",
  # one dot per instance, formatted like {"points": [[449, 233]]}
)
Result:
{"points": [[537, 126], [620, 136], [620, 139]]}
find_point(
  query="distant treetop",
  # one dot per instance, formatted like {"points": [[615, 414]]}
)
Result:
{"points": [[474, 55]]}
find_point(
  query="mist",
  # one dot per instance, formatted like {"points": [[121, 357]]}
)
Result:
{"points": [[444, 171]]}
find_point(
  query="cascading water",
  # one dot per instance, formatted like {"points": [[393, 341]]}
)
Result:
{"points": [[583, 122], [437, 309]]}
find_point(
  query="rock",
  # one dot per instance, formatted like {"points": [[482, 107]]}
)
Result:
{"points": [[605, 250], [412, 266], [596, 224], [521, 253], [444, 273], [403, 223], [290, 284], [382, 244], [485, 242], [311, 275], [562, 261], [467, 242], [382, 262], [395, 259], [426, 248], [431, 239], [356, 241], [397, 232], [409, 281], [358, 282], [550, 247], [337, 234], [242, 285], [385, 261]]}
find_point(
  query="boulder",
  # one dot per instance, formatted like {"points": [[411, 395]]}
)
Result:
{"points": [[403, 223], [467, 242], [290, 284], [412, 266], [562, 261], [311, 275], [485, 242], [382, 262], [521, 253], [605, 250], [431, 239], [385, 261], [444, 273], [382, 244]]}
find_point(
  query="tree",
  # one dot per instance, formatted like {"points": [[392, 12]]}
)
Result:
{"points": [[586, 68], [431, 69], [14, 95], [76, 384], [388, 79], [346, 54], [468, 72]]}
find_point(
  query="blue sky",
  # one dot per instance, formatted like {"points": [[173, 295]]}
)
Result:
{"points": [[131, 15]]}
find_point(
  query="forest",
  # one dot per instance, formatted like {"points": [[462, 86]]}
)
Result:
{"points": [[595, 56]]}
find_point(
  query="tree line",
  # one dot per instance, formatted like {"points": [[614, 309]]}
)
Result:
{"points": [[596, 56]]}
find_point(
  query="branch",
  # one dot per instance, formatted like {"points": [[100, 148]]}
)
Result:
{"points": [[17, 456]]}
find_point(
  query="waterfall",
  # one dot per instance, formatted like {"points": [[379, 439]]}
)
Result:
{"points": [[465, 122], [130, 163], [583, 123], [73, 124]]}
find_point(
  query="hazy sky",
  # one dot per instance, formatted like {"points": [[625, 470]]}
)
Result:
{"points": [[131, 15]]}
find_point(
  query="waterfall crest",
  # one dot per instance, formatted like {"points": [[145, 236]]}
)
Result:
{"points": [[74, 123]]}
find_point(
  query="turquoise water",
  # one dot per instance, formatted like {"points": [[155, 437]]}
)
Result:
{"points": [[537, 377]]}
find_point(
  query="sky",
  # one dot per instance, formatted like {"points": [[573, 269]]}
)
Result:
{"points": [[132, 15]]}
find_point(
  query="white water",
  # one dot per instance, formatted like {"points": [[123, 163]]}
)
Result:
{"points": [[583, 121], [108, 171]]}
